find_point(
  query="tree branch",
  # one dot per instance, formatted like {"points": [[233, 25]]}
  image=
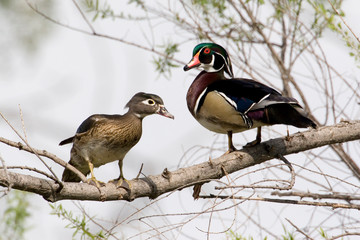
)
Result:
{"points": [[154, 186], [346, 197], [94, 32], [286, 201], [43, 153]]}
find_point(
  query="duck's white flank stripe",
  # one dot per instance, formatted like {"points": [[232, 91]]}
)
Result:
{"points": [[229, 100], [260, 104], [198, 101]]}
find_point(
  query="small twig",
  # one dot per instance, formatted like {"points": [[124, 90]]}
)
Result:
{"points": [[292, 181], [129, 43], [299, 230], [28, 145], [30, 169], [255, 186], [346, 197], [9, 184], [22, 122], [84, 17], [44, 153], [141, 167], [344, 235], [93, 220], [286, 201], [343, 20]]}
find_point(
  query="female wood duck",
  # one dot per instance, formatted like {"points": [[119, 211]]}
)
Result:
{"points": [[231, 105], [101, 138]]}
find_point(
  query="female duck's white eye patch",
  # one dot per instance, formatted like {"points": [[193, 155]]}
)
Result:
{"points": [[149, 102]]}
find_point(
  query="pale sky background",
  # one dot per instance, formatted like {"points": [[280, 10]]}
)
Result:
{"points": [[71, 76]]}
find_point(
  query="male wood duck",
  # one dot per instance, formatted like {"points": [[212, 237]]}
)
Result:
{"points": [[101, 138], [231, 105]]}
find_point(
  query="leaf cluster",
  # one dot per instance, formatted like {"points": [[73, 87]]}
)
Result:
{"points": [[16, 214], [80, 224], [164, 64], [327, 17]]}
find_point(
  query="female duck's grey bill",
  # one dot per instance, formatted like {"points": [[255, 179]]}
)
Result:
{"points": [[163, 112]]}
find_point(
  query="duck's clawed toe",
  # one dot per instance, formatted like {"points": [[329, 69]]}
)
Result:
{"points": [[121, 183], [230, 150], [95, 182], [252, 143]]}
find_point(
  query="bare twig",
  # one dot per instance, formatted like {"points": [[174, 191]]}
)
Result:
{"points": [[43, 153], [22, 122], [84, 17], [140, 171], [31, 169], [299, 230], [96, 34], [341, 196], [287, 201], [7, 181], [28, 145], [256, 185], [343, 20], [344, 235]]}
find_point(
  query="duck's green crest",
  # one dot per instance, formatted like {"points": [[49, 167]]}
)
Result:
{"points": [[213, 46]]}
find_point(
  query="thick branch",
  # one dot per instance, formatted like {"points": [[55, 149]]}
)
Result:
{"points": [[154, 186]]}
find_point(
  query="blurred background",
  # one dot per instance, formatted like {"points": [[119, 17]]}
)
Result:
{"points": [[57, 77]]}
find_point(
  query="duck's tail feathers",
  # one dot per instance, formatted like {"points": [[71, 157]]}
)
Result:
{"points": [[70, 176], [66, 141], [289, 114]]}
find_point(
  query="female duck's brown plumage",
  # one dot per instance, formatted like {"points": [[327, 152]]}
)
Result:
{"points": [[231, 105], [101, 138]]}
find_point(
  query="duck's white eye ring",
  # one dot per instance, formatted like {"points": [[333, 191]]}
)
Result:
{"points": [[150, 102]]}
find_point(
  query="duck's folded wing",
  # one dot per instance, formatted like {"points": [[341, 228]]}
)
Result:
{"points": [[247, 94]]}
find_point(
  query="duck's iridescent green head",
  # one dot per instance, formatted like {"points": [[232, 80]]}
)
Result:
{"points": [[211, 57]]}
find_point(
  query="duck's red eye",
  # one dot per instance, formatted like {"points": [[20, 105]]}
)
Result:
{"points": [[207, 50]]}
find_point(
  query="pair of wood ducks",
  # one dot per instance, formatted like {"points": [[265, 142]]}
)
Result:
{"points": [[220, 104]]}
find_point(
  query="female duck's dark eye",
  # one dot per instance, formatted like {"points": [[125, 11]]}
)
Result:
{"points": [[207, 50], [151, 102]]}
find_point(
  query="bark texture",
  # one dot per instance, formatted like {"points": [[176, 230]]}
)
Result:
{"points": [[154, 186]]}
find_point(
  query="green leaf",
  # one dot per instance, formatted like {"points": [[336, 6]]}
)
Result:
{"points": [[15, 215], [78, 223]]}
